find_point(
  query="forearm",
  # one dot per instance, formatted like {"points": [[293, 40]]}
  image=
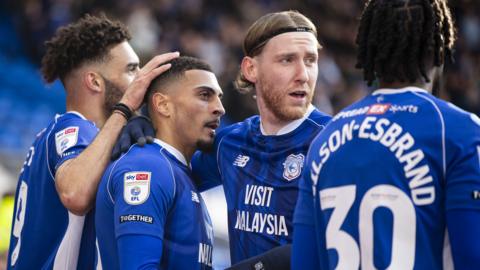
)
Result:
{"points": [[77, 179]]}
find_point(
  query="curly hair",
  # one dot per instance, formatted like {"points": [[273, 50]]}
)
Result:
{"points": [[265, 26], [88, 39], [397, 39]]}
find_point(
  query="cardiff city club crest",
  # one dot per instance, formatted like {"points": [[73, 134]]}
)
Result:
{"points": [[292, 167]]}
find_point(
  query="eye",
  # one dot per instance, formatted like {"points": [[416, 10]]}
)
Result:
{"points": [[309, 61], [286, 60], [205, 95]]}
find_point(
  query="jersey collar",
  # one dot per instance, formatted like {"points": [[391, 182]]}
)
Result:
{"points": [[292, 125], [385, 91], [172, 150]]}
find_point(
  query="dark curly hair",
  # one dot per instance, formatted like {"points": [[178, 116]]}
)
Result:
{"points": [[88, 39], [397, 39]]}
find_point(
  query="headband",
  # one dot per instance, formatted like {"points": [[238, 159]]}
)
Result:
{"points": [[268, 36]]}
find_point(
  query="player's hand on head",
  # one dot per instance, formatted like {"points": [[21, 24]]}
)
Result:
{"points": [[138, 130], [135, 92]]}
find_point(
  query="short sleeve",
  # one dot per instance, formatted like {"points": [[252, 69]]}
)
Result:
{"points": [[68, 139], [463, 172]]}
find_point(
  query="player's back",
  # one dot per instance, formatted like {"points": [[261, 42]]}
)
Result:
{"points": [[149, 191], [45, 234], [384, 171]]}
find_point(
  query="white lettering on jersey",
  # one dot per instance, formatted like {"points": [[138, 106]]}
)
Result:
{"points": [[241, 161], [66, 138], [195, 197], [398, 141], [205, 254], [261, 223], [258, 195]]}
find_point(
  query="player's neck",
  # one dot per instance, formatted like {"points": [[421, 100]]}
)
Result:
{"points": [[89, 110], [270, 123], [168, 135], [399, 85]]}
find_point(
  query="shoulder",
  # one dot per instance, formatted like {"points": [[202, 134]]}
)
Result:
{"points": [[319, 118], [237, 129], [146, 163]]}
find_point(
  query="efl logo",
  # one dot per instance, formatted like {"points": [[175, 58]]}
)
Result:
{"points": [[142, 176], [378, 109]]}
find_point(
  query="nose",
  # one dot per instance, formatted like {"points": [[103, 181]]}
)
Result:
{"points": [[218, 107], [302, 72]]}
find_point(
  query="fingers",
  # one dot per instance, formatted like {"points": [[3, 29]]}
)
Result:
{"points": [[159, 59], [121, 146]]}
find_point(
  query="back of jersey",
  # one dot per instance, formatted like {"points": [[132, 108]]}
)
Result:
{"points": [[383, 174], [45, 235]]}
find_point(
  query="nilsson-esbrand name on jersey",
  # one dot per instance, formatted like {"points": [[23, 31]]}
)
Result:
{"points": [[260, 222], [399, 142]]}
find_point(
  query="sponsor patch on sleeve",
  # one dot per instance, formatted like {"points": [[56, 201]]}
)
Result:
{"points": [[136, 218], [136, 187], [65, 139]]}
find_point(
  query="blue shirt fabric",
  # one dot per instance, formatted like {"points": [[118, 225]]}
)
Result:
{"points": [[149, 192], [260, 177], [45, 235], [384, 176]]}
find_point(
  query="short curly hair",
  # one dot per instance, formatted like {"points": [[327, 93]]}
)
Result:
{"points": [[88, 39]]}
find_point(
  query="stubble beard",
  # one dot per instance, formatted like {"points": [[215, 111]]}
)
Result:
{"points": [[113, 94], [274, 101]]}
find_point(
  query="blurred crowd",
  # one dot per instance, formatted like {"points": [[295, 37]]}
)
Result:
{"points": [[214, 30], [209, 29]]}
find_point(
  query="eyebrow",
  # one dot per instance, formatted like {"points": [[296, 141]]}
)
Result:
{"points": [[209, 89]]}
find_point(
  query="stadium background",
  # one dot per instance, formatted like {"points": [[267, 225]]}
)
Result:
{"points": [[210, 29]]}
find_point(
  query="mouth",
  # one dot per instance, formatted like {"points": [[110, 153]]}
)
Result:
{"points": [[212, 125], [299, 94]]}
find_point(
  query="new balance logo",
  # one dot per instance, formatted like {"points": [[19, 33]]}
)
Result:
{"points": [[241, 161], [195, 197]]}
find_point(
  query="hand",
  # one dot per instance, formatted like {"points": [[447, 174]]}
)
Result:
{"points": [[138, 130], [135, 92]]}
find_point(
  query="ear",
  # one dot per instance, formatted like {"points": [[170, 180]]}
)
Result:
{"points": [[249, 69], [93, 81], [160, 104]]}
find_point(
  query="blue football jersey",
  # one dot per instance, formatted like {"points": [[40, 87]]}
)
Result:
{"points": [[382, 175], [45, 235], [149, 191], [260, 178]]}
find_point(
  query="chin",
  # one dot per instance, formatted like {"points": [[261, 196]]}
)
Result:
{"points": [[205, 145], [292, 113]]}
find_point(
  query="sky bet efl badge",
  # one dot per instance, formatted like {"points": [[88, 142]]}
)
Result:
{"points": [[136, 187], [292, 167], [65, 139]]}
